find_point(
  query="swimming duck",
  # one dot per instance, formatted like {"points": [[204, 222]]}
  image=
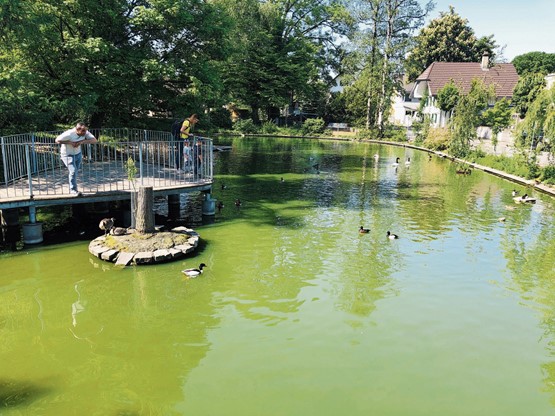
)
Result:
{"points": [[392, 236], [514, 193], [238, 203], [220, 206], [282, 180], [194, 272], [363, 230], [224, 186], [396, 163], [106, 224], [376, 156]]}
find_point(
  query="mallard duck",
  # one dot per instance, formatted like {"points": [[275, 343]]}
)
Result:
{"points": [[392, 236], [363, 230], [396, 163], [106, 224], [194, 272]]}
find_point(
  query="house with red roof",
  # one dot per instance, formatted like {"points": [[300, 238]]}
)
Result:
{"points": [[503, 76]]}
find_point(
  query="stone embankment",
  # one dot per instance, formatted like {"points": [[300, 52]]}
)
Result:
{"points": [[142, 249]]}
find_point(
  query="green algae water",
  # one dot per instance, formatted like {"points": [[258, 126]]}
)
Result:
{"points": [[297, 313]]}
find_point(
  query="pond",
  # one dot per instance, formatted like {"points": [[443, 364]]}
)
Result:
{"points": [[297, 313]]}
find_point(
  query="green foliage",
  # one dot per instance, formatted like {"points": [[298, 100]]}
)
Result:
{"points": [[131, 170], [395, 134], [526, 90], [246, 126], [448, 96], [448, 38], [538, 127], [548, 175], [437, 139], [269, 128], [534, 63], [313, 126], [518, 164], [498, 118], [109, 61], [466, 117]]}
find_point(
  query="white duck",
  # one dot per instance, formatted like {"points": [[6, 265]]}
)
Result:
{"points": [[194, 272], [396, 163]]}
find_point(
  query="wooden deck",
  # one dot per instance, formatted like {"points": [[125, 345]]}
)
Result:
{"points": [[97, 182]]}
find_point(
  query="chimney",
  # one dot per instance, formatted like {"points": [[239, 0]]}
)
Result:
{"points": [[485, 62]]}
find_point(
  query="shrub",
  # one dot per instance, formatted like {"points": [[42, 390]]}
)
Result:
{"points": [[313, 126], [437, 139], [395, 134], [245, 126], [548, 175], [269, 128]]}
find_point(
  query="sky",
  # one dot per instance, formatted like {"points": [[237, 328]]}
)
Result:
{"points": [[522, 25]]}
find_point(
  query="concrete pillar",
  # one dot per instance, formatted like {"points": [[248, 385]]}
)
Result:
{"points": [[174, 206], [32, 233], [208, 205]]}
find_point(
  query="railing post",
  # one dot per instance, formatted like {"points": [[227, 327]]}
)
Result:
{"points": [[29, 174], [4, 162], [33, 154], [141, 161]]}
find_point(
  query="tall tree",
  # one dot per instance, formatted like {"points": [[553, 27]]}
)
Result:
{"points": [[534, 62], [448, 38], [386, 27], [282, 49], [114, 59]]}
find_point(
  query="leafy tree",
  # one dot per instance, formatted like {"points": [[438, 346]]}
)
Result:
{"points": [[466, 117], [281, 51], [109, 61], [448, 38], [380, 50], [538, 127], [498, 118], [448, 96], [526, 90], [534, 62]]}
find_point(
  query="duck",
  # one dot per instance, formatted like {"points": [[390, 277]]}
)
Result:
{"points": [[407, 163], [224, 186], [363, 230], [501, 219], [282, 180], [118, 231], [238, 203], [106, 224], [220, 206], [392, 236], [514, 193], [396, 163], [376, 156], [194, 272]]}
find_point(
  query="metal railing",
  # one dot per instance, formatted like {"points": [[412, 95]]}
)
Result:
{"points": [[31, 164]]}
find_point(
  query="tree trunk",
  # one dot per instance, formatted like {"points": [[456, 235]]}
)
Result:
{"points": [[145, 213]]}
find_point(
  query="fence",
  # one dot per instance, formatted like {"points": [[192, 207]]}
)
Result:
{"points": [[31, 164]]}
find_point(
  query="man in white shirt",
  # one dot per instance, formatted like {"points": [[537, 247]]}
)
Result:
{"points": [[70, 152]]}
